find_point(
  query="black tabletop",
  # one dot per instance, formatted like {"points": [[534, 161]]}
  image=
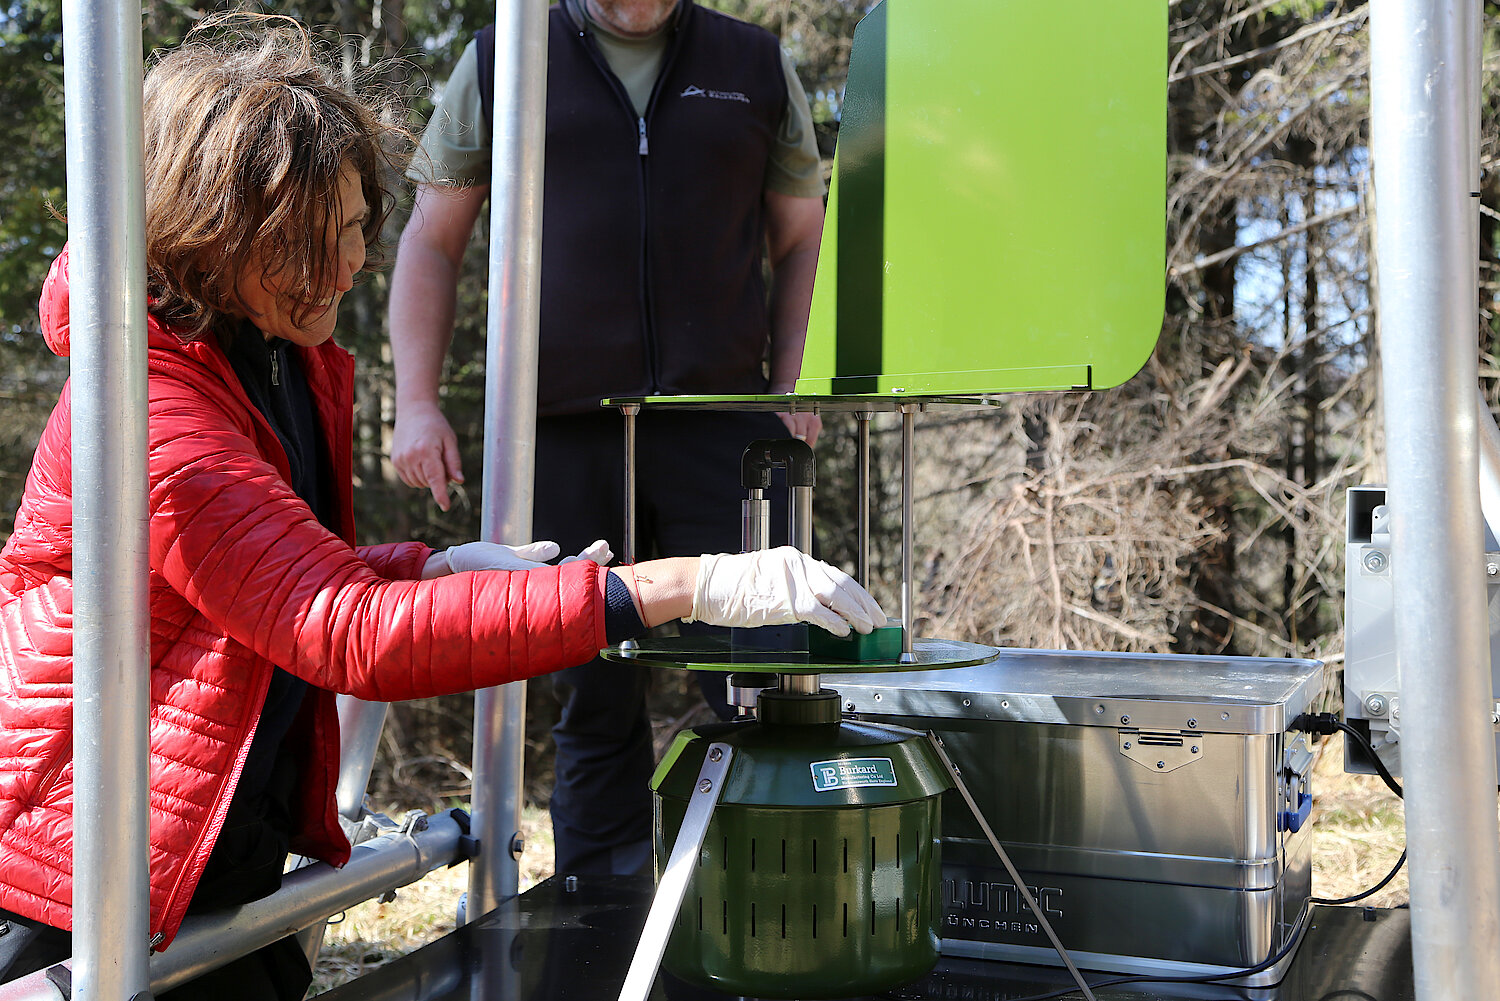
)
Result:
{"points": [[570, 939]]}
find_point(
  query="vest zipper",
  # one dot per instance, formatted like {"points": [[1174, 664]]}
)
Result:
{"points": [[648, 317], [275, 368]]}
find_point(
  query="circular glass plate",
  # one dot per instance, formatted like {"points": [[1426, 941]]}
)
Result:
{"points": [[698, 653]]}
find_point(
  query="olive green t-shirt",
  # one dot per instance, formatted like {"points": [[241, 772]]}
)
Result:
{"points": [[455, 145]]}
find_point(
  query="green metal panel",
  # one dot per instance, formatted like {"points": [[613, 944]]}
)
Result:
{"points": [[997, 215]]}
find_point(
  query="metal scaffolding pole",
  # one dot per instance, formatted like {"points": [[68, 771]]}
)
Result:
{"points": [[107, 314], [1424, 90], [510, 416]]}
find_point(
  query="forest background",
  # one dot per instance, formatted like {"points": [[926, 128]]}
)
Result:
{"points": [[1196, 509]]}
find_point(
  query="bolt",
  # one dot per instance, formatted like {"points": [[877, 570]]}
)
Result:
{"points": [[1005, 703], [717, 754], [1161, 764], [1374, 561], [1127, 745], [848, 707], [1192, 724], [1492, 569], [1223, 715], [1099, 709], [1375, 704], [877, 696], [966, 702], [1195, 748], [705, 786], [570, 885], [1124, 719]]}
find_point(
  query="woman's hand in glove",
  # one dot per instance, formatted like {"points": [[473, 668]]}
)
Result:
{"points": [[772, 587], [496, 556]]}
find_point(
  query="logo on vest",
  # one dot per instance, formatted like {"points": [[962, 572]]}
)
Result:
{"points": [[717, 95]]}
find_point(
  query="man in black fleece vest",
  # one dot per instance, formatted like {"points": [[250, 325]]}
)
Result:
{"points": [[679, 158]]}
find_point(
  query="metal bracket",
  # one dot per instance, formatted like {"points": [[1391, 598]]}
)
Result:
{"points": [[672, 886], [1161, 750]]}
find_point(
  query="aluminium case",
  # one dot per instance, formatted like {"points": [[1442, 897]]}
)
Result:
{"points": [[1155, 804]]}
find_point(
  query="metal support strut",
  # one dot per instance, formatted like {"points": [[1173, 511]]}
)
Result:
{"points": [[672, 886], [1010, 867]]}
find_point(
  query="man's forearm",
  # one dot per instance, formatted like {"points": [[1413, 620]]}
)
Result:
{"points": [[424, 287], [791, 297]]}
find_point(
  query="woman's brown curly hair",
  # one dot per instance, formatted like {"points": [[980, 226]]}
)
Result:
{"points": [[247, 131]]}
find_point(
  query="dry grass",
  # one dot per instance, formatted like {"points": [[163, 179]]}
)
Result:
{"points": [[1358, 834]]}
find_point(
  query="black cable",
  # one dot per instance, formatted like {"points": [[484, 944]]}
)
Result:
{"points": [[1370, 892], [1328, 724]]}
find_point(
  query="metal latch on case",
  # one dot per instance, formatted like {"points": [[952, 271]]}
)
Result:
{"points": [[1161, 750]]}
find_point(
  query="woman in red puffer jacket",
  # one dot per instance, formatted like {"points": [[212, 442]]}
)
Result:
{"points": [[264, 187]]}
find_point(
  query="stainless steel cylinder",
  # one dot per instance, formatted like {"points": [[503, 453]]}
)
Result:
{"points": [[755, 525]]}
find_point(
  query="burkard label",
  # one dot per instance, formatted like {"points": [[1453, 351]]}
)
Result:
{"points": [[852, 773]]}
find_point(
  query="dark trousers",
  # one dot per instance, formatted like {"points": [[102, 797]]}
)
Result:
{"points": [[688, 498]]}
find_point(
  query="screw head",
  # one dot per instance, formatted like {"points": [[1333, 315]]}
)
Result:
{"points": [[1099, 709], [1192, 724], [716, 754], [1124, 719], [1493, 569], [1161, 764], [848, 707], [1375, 704], [1374, 561], [1195, 748], [705, 786], [966, 702], [1126, 745]]}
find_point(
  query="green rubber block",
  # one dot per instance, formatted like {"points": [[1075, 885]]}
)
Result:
{"points": [[882, 644]]}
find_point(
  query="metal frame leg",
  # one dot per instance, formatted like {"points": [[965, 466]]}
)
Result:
{"points": [[672, 886], [984, 825]]}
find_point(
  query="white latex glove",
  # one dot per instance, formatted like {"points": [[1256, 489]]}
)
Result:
{"points": [[772, 587], [597, 551], [490, 556]]}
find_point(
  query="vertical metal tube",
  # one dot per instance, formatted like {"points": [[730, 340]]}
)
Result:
{"points": [[510, 416], [1423, 106], [800, 519], [360, 723], [908, 507], [111, 646], [627, 545], [862, 498]]}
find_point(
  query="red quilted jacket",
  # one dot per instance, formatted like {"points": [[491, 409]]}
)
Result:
{"points": [[242, 577]]}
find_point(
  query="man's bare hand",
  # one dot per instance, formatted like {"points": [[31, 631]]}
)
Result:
{"points": [[424, 451], [806, 427]]}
